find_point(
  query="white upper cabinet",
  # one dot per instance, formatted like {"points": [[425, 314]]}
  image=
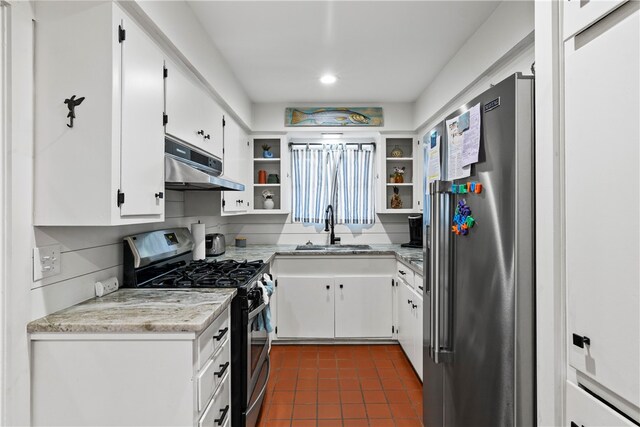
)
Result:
{"points": [[107, 169], [192, 115], [237, 158], [142, 138]]}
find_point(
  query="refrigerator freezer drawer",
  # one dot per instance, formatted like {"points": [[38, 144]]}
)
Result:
{"points": [[585, 410]]}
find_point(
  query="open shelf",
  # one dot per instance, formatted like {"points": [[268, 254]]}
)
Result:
{"points": [[266, 160], [404, 184], [267, 185], [400, 159]]}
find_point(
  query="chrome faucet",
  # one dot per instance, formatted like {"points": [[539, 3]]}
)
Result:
{"points": [[329, 221]]}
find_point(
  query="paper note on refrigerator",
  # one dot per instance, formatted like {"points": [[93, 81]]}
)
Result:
{"points": [[471, 136], [433, 166], [455, 146]]}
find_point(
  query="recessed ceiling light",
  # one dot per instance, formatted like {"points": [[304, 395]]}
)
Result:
{"points": [[328, 79]]}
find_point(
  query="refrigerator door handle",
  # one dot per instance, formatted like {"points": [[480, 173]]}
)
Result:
{"points": [[439, 271]]}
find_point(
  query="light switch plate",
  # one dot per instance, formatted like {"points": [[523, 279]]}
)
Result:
{"points": [[46, 262]]}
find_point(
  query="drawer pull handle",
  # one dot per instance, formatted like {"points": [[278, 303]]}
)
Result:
{"points": [[328, 287], [421, 288], [341, 286], [223, 370], [575, 425], [402, 272], [224, 411], [409, 301], [413, 305], [221, 334], [579, 341]]}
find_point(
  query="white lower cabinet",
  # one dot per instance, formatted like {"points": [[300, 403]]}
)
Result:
{"points": [[584, 410], [363, 307], [409, 306], [120, 379], [334, 298], [305, 307]]}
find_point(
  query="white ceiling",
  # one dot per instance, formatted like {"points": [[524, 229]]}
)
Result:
{"points": [[381, 51]]}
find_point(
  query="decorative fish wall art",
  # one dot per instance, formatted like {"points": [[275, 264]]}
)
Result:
{"points": [[333, 116]]}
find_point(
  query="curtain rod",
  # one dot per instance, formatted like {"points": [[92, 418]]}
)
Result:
{"points": [[359, 144]]}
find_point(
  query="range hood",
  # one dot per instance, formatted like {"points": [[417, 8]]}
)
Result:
{"points": [[186, 168]]}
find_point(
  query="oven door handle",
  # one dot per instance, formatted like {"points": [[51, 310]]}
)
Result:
{"points": [[255, 312], [264, 389]]}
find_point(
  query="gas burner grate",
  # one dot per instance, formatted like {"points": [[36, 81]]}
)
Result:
{"points": [[203, 274]]}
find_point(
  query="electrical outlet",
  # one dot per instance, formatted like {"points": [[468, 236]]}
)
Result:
{"points": [[46, 262]]}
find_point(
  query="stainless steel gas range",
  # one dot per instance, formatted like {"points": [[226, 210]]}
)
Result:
{"points": [[163, 260]]}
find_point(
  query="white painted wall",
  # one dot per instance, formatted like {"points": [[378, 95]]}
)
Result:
{"points": [[518, 61], [177, 21], [550, 287], [507, 31], [269, 117], [278, 229], [19, 232]]}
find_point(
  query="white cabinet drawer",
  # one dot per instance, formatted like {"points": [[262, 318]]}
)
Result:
{"points": [[213, 338], [213, 373], [406, 274], [585, 410], [219, 410]]}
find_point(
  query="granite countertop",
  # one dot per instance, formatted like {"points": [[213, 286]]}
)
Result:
{"points": [[140, 310], [192, 310], [410, 256]]}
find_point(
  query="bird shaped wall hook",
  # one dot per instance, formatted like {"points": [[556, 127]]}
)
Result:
{"points": [[72, 103]]}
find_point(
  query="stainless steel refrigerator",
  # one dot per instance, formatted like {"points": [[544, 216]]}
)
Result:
{"points": [[479, 296]]}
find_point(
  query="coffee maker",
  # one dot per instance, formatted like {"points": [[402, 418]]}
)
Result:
{"points": [[415, 232]]}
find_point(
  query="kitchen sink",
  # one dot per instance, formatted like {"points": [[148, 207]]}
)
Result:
{"points": [[332, 247]]}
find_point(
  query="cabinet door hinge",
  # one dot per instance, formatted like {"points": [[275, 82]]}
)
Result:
{"points": [[120, 199], [393, 329], [122, 34], [392, 284], [223, 203], [165, 119], [165, 72], [276, 330], [276, 283], [223, 122]]}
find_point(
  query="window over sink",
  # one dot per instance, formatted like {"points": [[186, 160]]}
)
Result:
{"points": [[340, 174]]}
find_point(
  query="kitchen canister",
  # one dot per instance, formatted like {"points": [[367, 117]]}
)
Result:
{"points": [[199, 246], [262, 177], [241, 242], [273, 178]]}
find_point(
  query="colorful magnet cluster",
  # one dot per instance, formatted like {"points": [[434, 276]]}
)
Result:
{"points": [[462, 219], [469, 187]]}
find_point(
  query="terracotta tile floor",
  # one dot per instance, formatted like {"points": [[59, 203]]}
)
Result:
{"points": [[341, 385]]}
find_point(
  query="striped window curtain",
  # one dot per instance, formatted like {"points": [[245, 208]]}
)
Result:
{"points": [[354, 195], [311, 182], [337, 175]]}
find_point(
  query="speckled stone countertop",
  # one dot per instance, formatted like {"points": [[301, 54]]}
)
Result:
{"points": [[410, 256], [140, 310]]}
